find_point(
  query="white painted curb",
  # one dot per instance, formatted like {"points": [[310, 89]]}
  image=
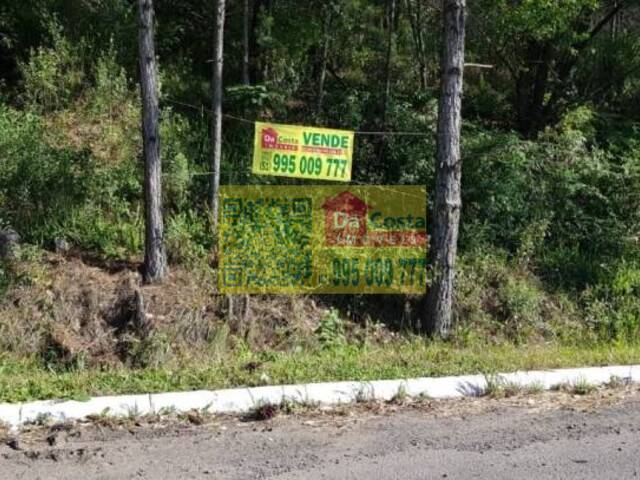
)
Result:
{"points": [[241, 400]]}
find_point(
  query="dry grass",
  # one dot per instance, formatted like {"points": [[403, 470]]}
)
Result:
{"points": [[107, 135], [72, 311]]}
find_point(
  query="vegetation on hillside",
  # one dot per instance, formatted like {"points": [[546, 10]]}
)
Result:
{"points": [[550, 224]]}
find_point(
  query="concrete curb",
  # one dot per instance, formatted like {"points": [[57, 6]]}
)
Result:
{"points": [[242, 400]]}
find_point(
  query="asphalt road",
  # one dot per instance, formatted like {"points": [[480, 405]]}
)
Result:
{"points": [[547, 436]]}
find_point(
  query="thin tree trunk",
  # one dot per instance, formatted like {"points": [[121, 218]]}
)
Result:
{"points": [[264, 58], [414, 13], [382, 147], [154, 256], [246, 80], [254, 45], [326, 38], [216, 130], [389, 55], [448, 173]]}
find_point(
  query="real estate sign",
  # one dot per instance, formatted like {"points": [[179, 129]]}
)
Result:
{"points": [[322, 239], [302, 152]]}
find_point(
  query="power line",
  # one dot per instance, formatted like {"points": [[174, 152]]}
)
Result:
{"points": [[202, 108]]}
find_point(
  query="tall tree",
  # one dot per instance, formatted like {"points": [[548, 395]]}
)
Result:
{"points": [[419, 27], [448, 172], [216, 129], [544, 46], [391, 33], [246, 45], [155, 257], [324, 55], [261, 32]]}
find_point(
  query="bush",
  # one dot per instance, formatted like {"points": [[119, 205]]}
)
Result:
{"points": [[48, 192], [111, 90], [563, 204], [40, 186], [187, 238], [54, 75], [500, 298], [330, 332]]}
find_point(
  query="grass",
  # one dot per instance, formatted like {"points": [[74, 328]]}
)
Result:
{"points": [[25, 380], [499, 387], [579, 386]]}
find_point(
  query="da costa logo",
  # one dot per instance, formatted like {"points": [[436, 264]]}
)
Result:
{"points": [[272, 140], [269, 138], [350, 221]]}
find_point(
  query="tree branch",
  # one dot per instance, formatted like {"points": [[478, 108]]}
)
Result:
{"points": [[601, 24]]}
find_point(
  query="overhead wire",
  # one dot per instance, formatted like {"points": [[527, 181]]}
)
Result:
{"points": [[251, 122]]}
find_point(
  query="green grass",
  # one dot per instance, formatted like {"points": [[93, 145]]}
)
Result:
{"points": [[24, 380]]}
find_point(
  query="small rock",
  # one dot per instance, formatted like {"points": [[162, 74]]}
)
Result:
{"points": [[13, 443], [61, 245], [195, 418], [9, 244]]}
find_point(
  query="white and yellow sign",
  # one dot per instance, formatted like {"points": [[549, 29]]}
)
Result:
{"points": [[302, 152]]}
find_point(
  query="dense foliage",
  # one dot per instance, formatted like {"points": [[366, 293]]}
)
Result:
{"points": [[551, 138]]}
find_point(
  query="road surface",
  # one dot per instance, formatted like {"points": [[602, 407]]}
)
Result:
{"points": [[545, 436]]}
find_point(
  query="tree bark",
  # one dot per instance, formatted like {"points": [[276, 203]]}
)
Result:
{"points": [[414, 12], [391, 18], [439, 313], [254, 45], [246, 45], [154, 257], [532, 86], [326, 38], [216, 129]]}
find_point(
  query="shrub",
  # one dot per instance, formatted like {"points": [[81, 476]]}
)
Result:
{"points": [[330, 332], [502, 299], [110, 90], [52, 76], [187, 238], [40, 186], [520, 302]]}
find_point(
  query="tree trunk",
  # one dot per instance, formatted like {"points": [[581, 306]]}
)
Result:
{"points": [[448, 174], [382, 147], [532, 87], [615, 22], [216, 129], [246, 80], [391, 18], [254, 45], [414, 12], [326, 38], [154, 256]]}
